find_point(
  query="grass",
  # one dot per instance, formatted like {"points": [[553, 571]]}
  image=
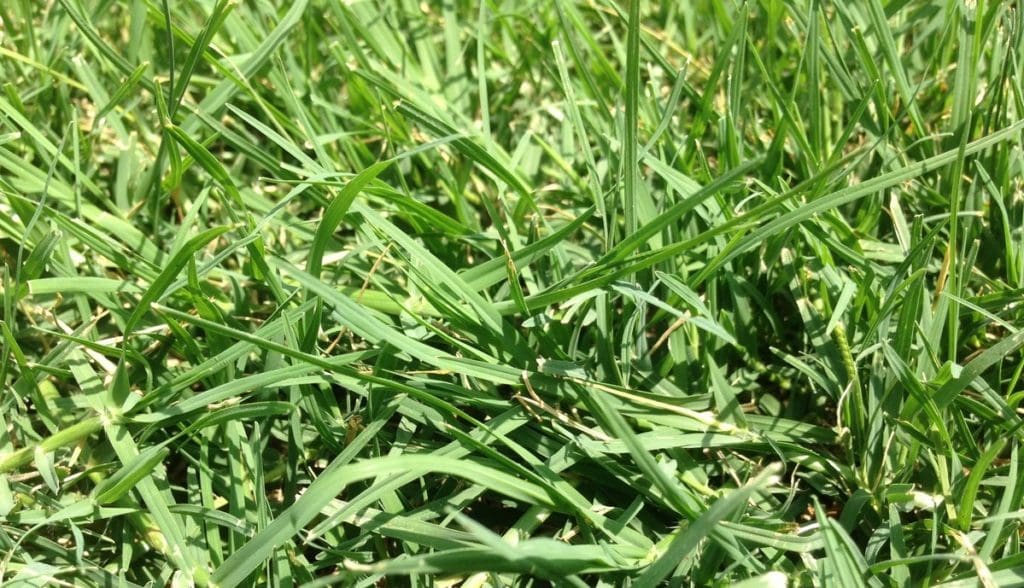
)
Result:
{"points": [[511, 293]]}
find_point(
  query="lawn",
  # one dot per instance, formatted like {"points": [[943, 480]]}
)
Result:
{"points": [[511, 293]]}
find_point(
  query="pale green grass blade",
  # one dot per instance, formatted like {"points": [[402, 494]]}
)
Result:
{"points": [[686, 540]]}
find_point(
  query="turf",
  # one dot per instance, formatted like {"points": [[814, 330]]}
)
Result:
{"points": [[586, 293]]}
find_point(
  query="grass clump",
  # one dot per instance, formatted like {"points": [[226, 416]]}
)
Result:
{"points": [[511, 293]]}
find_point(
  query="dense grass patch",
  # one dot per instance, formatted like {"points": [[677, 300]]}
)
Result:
{"points": [[511, 293]]}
